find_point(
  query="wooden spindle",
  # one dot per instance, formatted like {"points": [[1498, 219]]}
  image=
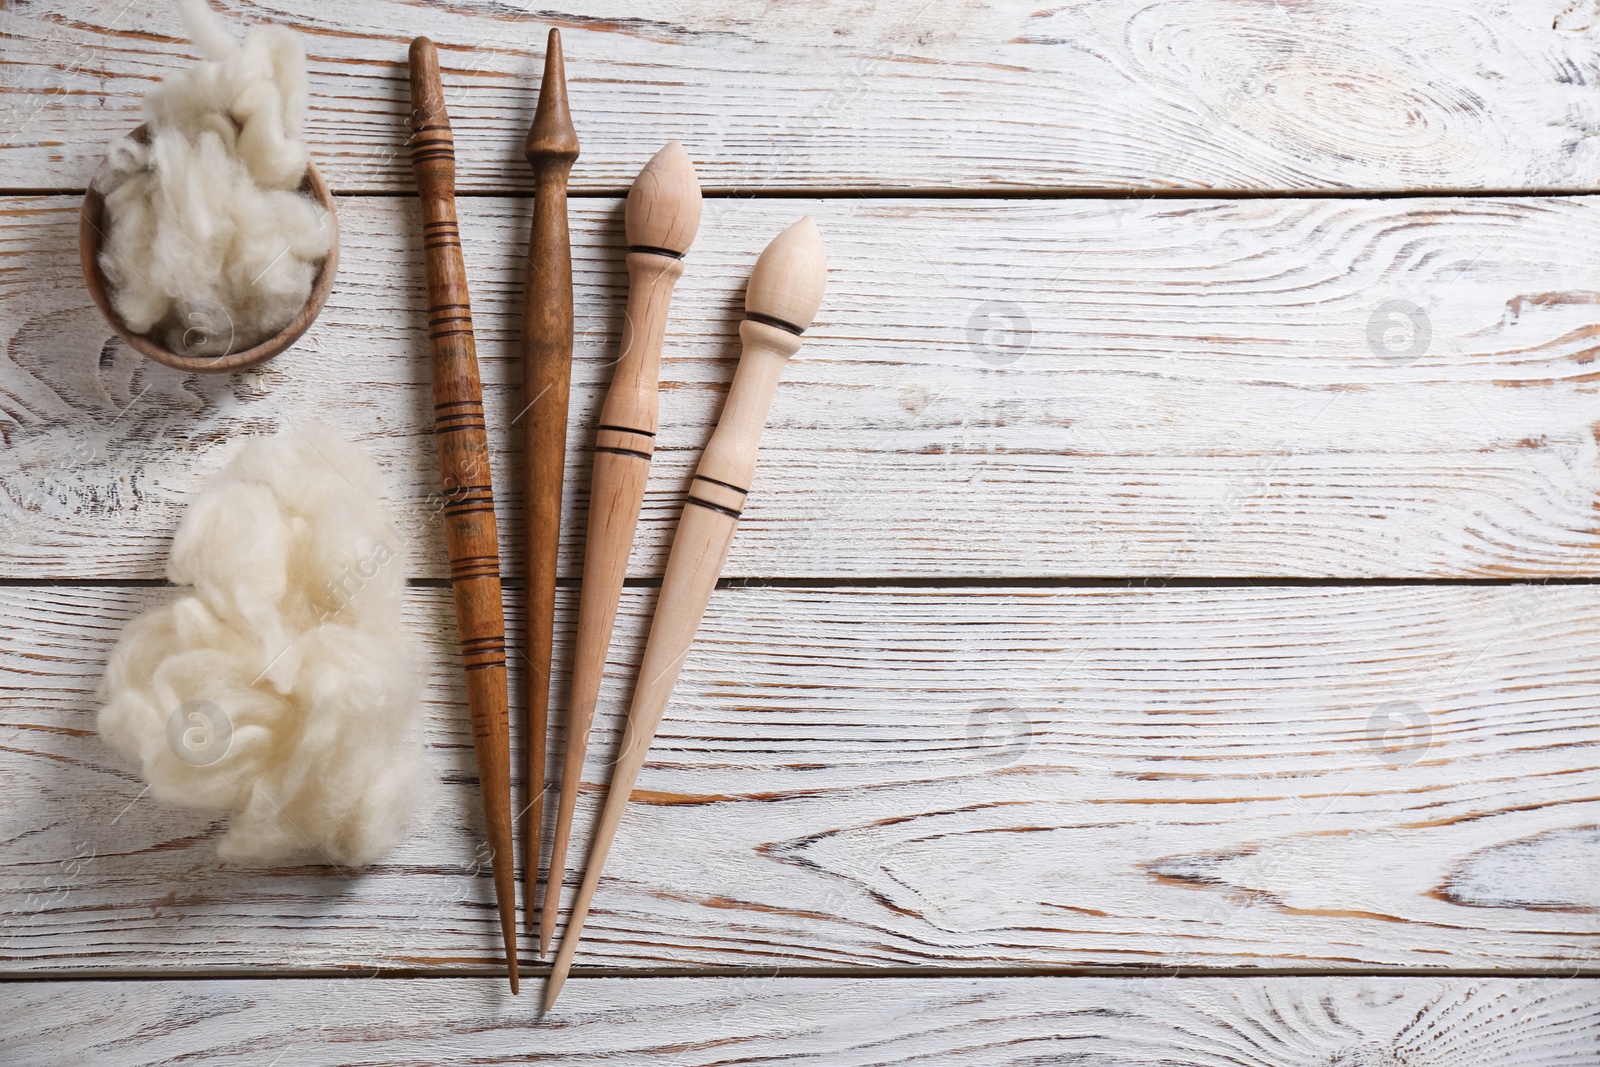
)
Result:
{"points": [[661, 220], [783, 296], [468, 498], [551, 148]]}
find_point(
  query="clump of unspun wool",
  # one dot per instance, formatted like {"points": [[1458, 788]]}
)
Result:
{"points": [[208, 244], [279, 686]]}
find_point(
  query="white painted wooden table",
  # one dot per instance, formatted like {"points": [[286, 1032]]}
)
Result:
{"points": [[1163, 631]]}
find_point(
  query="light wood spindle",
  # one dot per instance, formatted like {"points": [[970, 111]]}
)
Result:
{"points": [[662, 218], [781, 300]]}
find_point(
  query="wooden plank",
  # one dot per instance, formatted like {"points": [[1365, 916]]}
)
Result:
{"points": [[940, 94], [1285, 1022], [1005, 388], [1356, 778], [850, 1023]]}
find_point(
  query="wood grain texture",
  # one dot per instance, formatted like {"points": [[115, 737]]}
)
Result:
{"points": [[1172, 779], [1305, 778], [547, 317], [661, 217], [1009, 388], [467, 510], [843, 94], [785, 290], [984, 1022]]}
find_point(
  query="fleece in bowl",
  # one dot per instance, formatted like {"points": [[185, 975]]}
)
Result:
{"points": [[209, 244]]}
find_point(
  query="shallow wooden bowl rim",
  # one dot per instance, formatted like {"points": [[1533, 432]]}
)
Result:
{"points": [[90, 215]]}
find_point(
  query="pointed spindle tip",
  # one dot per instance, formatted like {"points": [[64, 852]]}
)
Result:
{"points": [[552, 135], [664, 204], [789, 278], [552, 988]]}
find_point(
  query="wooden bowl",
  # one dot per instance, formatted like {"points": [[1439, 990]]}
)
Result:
{"points": [[90, 230]]}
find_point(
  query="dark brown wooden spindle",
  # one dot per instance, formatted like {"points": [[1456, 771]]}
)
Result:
{"points": [[551, 148], [468, 497]]}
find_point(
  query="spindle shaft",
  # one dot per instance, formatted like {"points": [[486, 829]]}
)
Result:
{"points": [[467, 502], [661, 220], [551, 148], [781, 300]]}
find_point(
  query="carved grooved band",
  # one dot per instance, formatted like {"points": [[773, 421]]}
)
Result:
{"points": [[635, 454], [475, 567], [619, 441], [725, 485], [718, 495], [492, 576], [730, 512], [768, 320]]}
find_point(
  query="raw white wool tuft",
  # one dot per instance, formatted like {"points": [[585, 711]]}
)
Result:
{"points": [[279, 686], [209, 245]]}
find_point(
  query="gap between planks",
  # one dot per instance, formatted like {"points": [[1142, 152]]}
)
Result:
{"points": [[1001, 193], [903, 582], [542, 970]]}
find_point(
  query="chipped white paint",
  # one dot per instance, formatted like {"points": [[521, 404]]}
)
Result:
{"points": [[1193, 388], [1149, 778], [855, 775], [886, 1022], [928, 94]]}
